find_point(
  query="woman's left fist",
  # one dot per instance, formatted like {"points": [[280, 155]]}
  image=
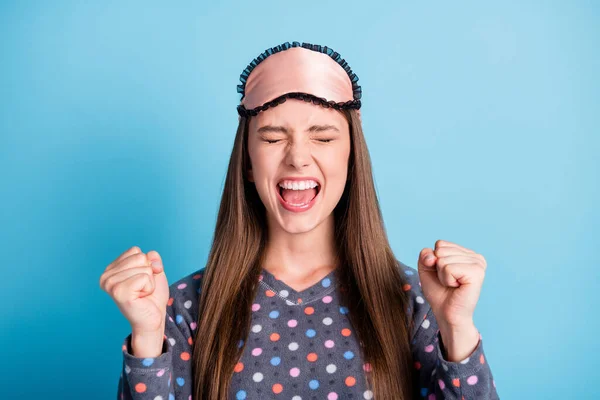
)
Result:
{"points": [[451, 279]]}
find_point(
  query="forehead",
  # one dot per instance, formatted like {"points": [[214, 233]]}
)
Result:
{"points": [[299, 115]]}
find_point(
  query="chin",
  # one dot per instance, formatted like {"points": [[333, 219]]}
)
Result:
{"points": [[297, 226]]}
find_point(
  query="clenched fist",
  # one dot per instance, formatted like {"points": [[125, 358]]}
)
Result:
{"points": [[138, 285]]}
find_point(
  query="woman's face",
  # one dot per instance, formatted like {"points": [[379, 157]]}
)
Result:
{"points": [[297, 139]]}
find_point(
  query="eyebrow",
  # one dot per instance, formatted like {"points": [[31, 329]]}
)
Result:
{"points": [[314, 128]]}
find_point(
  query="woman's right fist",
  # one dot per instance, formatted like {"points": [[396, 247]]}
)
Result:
{"points": [[139, 288]]}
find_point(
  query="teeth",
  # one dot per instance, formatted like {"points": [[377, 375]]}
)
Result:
{"points": [[298, 185]]}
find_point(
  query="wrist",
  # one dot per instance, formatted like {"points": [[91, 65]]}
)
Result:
{"points": [[458, 342], [147, 344]]}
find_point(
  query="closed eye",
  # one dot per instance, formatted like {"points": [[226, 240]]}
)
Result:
{"points": [[320, 140]]}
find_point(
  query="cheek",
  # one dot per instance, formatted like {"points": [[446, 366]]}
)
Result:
{"points": [[337, 164]]}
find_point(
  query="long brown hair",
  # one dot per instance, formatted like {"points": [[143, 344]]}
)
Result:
{"points": [[372, 282]]}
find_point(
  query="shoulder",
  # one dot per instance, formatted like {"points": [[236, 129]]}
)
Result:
{"points": [[418, 308], [184, 295]]}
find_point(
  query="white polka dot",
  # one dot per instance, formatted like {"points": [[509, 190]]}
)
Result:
{"points": [[172, 341], [331, 368], [368, 394], [445, 367], [289, 303], [127, 369], [257, 377], [296, 398], [466, 360], [293, 346], [420, 300], [425, 324], [256, 328], [284, 293], [158, 398], [327, 321], [187, 304]]}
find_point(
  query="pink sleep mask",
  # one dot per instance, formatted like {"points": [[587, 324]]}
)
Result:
{"points": [[308, 72]]}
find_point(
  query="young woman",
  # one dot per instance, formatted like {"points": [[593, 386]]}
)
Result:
{"points": [[302, 296]]}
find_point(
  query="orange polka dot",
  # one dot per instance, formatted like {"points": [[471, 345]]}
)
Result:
{"points": [[417, 365], [124, 348], [481, 359], [350, 381], [346, 332], [274, 337], [140, 388], [270, 293], [190, 341], [239, 367], [312, 357], [185, 356], [197, 276], [277, 388], [299, 300], [456, 382], [406, 287], [170, 302], [309, 311]]}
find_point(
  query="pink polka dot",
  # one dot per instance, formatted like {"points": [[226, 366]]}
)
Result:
{"points": [[327, 299], [442, 384], [429, 348], [367, 367], [257, 351], [472, 380], [182, 286], [255, 307], [329, 344], [260, 277], [193, 325], [332, 396], [294, 372], [431, 396], [292, 323], [160, 372]]}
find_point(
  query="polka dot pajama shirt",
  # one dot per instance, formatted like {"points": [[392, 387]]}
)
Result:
{"points": [[301, 346]]}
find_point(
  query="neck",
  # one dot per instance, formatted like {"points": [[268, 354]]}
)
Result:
{"points": [[301, 257]]}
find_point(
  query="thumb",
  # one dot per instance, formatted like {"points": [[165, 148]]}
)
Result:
{"points": [[427, 261], [428, 274], [155, 261]]}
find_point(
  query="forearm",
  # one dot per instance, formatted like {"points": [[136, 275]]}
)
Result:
{"points": [[458, 342], [147, 344]]}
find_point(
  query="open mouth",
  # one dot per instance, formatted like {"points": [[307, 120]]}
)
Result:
{"points": [[298, 195], [317, 189]]}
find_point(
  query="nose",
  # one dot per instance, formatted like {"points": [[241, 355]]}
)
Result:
{"points": [[298, 155]]}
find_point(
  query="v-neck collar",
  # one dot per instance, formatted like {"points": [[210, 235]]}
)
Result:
{"points": [[277, 288]]}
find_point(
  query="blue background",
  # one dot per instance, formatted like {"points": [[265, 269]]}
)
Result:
{"points": [[117, 120]]}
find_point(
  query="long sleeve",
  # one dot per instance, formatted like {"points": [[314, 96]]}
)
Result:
{"points": [[434, 377], [438, 378], [168, 376]]}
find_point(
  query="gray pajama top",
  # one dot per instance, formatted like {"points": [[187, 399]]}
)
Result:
{"points": [[301, 346]]}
